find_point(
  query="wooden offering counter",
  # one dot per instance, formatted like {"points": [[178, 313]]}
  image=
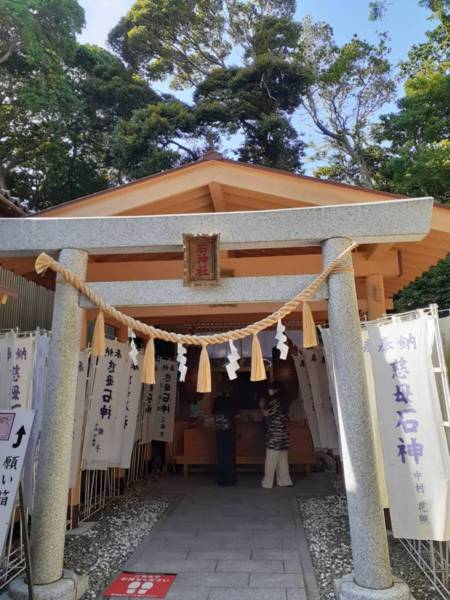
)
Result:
{"points": [[195, 444]]}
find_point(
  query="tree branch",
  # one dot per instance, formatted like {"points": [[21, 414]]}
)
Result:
{"points": [[7, 54]]}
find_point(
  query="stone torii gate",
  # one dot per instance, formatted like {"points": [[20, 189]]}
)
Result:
{"points": [[72, 239]]}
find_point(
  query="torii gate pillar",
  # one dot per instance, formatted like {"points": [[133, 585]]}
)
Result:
{"points": [[49, 524], [371, 578]]}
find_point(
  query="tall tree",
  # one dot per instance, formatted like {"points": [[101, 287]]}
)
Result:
{"points": [[38, 32], [180, 39], [415, 139], [417, 158], [37, 38], [439, 8], [257, 99], [184, 40], [58, 148], [350, 85]]}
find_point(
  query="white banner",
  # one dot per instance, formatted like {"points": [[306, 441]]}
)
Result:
{"points": [[105, 416], [444, 326], [164, 418], [81, 399], [38, 398], [326, 337], [15, 430], [375, 421], [308, 404], [315, 365], [148, 408], [131, 411], [329, 363], [415, 451], [21, 367], [6, 344]]}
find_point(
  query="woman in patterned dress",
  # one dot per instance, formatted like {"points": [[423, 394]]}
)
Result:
{"points": [[276, 413]]}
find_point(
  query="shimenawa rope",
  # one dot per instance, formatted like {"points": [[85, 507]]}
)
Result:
{"points": [[44, 262]]}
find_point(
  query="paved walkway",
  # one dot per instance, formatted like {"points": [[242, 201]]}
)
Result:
{"points": [[237, 543]]}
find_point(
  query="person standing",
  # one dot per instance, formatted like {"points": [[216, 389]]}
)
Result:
{"points": [[225, 411], [275, 412]]}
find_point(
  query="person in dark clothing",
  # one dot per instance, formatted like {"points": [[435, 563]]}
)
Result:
{"points": [[275, 412], [157, 460], [225, 411]]}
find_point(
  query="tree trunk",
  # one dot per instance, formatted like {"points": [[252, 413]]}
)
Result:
{"points": [[358, 159]]}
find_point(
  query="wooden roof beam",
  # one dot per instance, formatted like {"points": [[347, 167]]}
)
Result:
{"points": [[217, 197], [241, 267], [378, 251]]}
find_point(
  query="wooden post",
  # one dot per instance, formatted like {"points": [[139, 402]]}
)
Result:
{"points": [[376, 302]]}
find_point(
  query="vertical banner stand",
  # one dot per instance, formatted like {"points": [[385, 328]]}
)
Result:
{"points": [[26, 543]]}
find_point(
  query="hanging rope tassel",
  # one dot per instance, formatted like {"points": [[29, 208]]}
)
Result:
{"points": [[148, 368], [309, 328], [204, 372], [98, 338], [43, 262], [258, 372]]}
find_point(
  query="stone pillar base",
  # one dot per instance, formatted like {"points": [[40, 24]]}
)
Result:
{"points": [[347, 589], [70, 587]]}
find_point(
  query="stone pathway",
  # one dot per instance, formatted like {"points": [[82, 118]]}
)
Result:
{"points": [[237, 543]]}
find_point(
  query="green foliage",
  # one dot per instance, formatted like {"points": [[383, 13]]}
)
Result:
{"points": [[432, 287], [39, 32], [244, 18], [377, 10], [37, 37], [185, 40], [273, 142], [417, 160], [156, 138], [182, 39], [256, 100], [55, 126], [439, 8], [273, 37], [416, 145], [38, 41]]}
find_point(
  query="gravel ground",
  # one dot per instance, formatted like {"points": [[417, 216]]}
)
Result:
{"points": [[103, 550], [326, 525]]}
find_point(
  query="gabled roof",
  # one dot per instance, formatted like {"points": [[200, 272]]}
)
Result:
{"points": [[214, 184], [9, 208]]}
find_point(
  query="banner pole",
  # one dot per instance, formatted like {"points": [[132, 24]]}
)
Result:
{"points": [[26, 543]]}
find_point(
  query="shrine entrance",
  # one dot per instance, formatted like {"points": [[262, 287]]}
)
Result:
{"points": [[112, 255]]}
